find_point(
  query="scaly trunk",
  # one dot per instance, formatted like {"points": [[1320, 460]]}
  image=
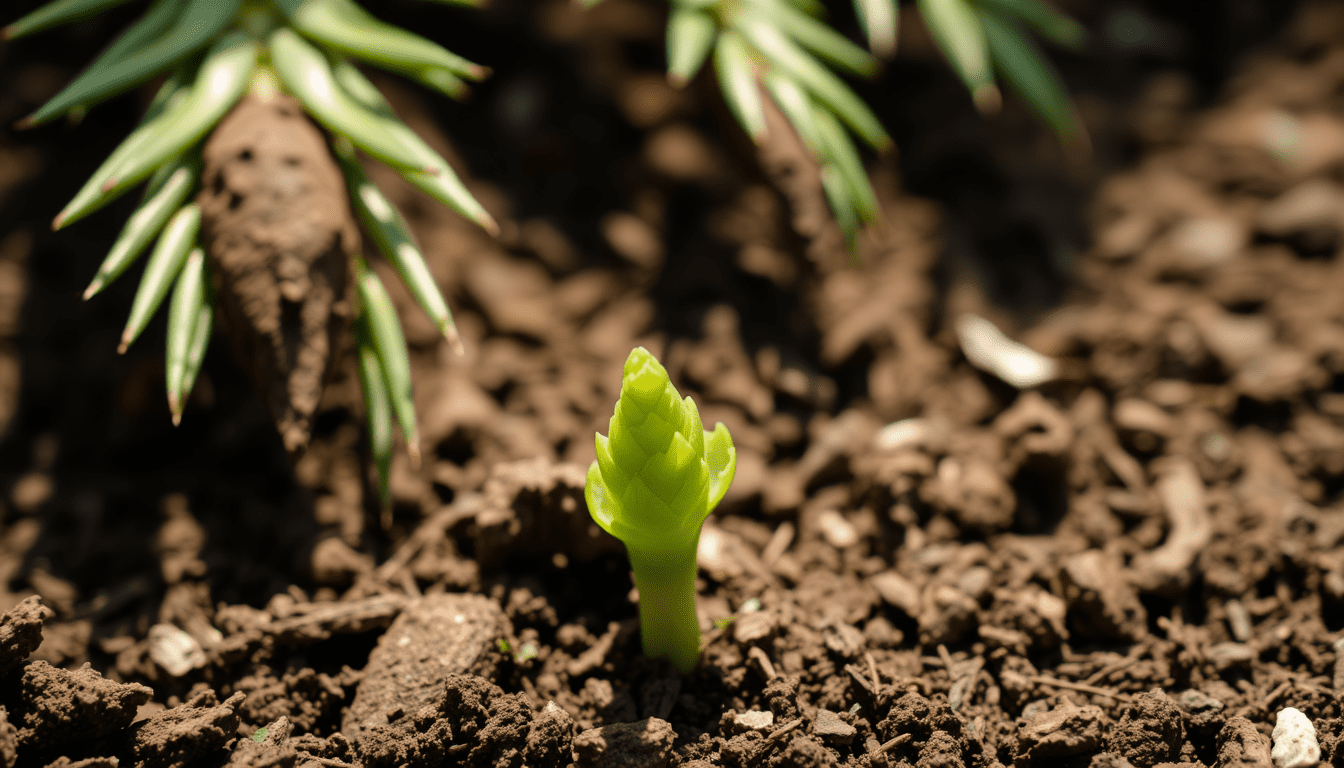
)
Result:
{"points": [[277, 226]]}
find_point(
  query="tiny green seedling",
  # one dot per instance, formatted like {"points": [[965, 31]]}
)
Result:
{"points": [[657, 477]]}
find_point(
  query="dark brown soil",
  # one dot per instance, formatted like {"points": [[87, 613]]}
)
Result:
{"points": [[1134, 562]]}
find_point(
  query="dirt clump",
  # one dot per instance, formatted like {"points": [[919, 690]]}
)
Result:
{"points": [[646, 743], [1151, 731], [21, 632], [1050, 738], [433, 639], [473, 723], [58, 704]]}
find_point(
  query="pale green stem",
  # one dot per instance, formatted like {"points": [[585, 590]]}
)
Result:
{"points": [[667, 621]]}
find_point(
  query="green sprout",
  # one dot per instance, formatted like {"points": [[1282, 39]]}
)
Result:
{"points": [[658, 475], [212, 52]]}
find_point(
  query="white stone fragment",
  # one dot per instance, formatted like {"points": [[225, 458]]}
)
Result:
{"points": [[899, 434], [989, 350], [174, 650], [761, 722], [1295, 744], [836, 530]]}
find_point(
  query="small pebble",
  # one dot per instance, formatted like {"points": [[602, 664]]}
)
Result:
{"points": [[1207, 242], [838, 532], [900, 434], [1295, 744], [646, 744], [755, 720], [990, 350], [1226, 655], [754, 627], [898, 591], [174, 650], [1238, 620], [828, 726]]}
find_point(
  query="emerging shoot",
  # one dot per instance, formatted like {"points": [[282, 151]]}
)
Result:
{"points": [[657, 476]]}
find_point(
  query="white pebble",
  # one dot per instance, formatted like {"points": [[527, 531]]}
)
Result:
{"points": [[1295, 744], [990, 350]]}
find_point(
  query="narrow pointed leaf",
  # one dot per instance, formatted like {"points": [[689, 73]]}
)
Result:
{"points": [[184, 309], [149, 219], [440, 181], [54, 14], [842, 205], [307, 74], [199, 23], [737, 80], [443, 81], [222, 79], [170, 253], [797, 107], [154, 23], [1047, 21], [170, 95], [344, 26], [880, 20], [817, 37], [1024, 67], [377, 407], [201, 331], [393, 358], [957, 29], [811, 74], [840, 150], [394, 240], [690, 35]]}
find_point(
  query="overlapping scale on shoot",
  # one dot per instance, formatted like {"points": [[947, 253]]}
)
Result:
{"points": [[657, 476]]}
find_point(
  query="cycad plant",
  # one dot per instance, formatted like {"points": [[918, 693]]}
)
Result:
{"points": [[784, 46], [212, 52]]}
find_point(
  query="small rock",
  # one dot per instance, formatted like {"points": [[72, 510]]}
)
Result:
{"points": [[898, 592], [1309, 214], [828, 726], [1227, 655], [836, 530], [948, 615], [1102, 603], [643, 744], [1206, 242], [1137, 415], [1240, 743], [906, 433], [990, 350], [755, 627], [845, 640], [1061, 732], [1295, 744], [173, 649], [761, 722], [632, 238]]}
